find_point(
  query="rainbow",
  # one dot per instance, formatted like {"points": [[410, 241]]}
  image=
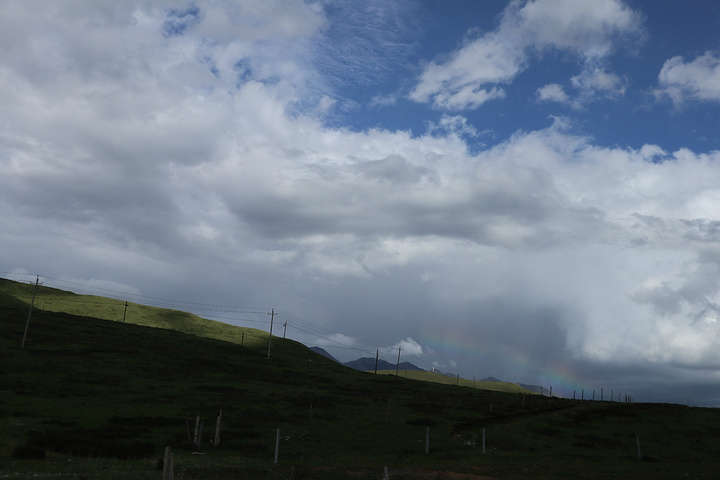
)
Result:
{"points": [[507, 362]]}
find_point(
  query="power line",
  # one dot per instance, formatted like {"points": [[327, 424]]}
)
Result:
{"points": [[124, 294], [307, 324]]}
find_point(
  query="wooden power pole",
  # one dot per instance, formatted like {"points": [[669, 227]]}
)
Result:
{"points": [[397, 368], [272, 317], [27, 323]]}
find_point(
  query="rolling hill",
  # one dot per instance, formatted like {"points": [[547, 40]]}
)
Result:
{"points": [[92, 398]]}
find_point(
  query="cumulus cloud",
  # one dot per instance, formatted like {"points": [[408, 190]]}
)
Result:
{"points": [[591, 30], [408, 346], [474, 74], [592, 84], [698, 79], [600, 81], [552, 92], [470, 77], [396, 170], [453, 124]]}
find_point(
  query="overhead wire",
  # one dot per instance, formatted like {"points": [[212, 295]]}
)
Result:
{"points": [[161, 299], [374, 343]]}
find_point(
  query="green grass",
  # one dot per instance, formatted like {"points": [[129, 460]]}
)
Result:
{"points": [[426, 376], [101, 400], [60, 301]]}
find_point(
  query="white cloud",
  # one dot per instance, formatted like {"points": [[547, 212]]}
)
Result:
{"points": [[453, 125], [384, 100], [590, 29], [407, 346], [552, 92], [473, 73], [590, 85], [599, 80], [698, 79], [459, 82]]}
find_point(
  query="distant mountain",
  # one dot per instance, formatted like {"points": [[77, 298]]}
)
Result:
{"points": [[325, 354], [368, 363]]}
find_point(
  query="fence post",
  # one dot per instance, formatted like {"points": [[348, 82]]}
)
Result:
{"points": [[427, 440], [483, 441], [167, 465], [277, 445], [217, 430], [309, 420], [637, 441], [197, 430]]}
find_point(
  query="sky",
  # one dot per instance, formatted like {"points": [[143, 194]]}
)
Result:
{"points": [[523, 189]]}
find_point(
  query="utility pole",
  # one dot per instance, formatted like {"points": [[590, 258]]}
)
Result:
{"points": [[397, 369], [377, 355], [284, 329], [27, 323], [272, 317], [122, 329]]}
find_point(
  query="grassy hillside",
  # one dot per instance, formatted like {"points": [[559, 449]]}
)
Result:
{"points": [[100, 399], [54, 300], [426, 376]]}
